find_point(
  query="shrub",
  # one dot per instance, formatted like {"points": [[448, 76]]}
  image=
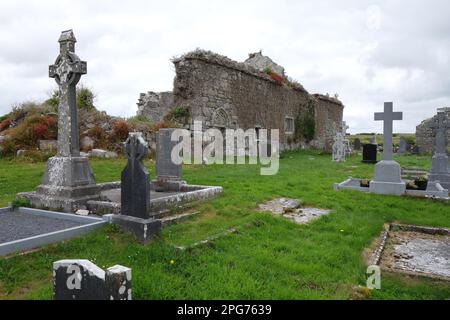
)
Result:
{"points": [[40, 131], [120, 130], [8, 148], [85, 99], [5, 124]]}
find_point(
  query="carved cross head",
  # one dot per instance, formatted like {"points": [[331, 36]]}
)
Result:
{"points": [[68, 68], [441, 122], [135, 147]]}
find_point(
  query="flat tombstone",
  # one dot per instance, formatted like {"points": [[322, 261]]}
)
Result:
{"points": [[357, 144], [83, 280], [135, 187], [166, 170]]}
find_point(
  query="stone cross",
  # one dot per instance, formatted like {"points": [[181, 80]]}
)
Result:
{"points": [[67, 71], [135, 188], [441, 124], [388, 117], [345, 127]]}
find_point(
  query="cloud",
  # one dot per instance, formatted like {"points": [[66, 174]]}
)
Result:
{"points": [[367, 51]]}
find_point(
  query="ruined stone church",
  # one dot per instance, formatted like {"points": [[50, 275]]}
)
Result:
{"points": [[223, 93]]}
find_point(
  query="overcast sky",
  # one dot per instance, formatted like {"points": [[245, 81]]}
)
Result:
{"points": [[366, 51]]}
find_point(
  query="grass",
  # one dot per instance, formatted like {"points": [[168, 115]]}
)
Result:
{"points": [[367, 138], [267, 258]]}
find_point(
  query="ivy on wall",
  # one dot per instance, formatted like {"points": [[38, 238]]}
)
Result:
{"points": [[305, 123]]}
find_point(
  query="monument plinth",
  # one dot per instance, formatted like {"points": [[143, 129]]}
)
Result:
{"points": [[388, 175], [68, 181]]}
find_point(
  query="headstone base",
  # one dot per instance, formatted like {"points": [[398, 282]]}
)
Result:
{"points": [[67, 185], [388, 179], [144, 230], [168, 184], [68, 172]]}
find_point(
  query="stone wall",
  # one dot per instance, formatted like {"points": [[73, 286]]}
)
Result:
{"points": [[425, 136], [227, 94], [328, 120], [155, 105]]}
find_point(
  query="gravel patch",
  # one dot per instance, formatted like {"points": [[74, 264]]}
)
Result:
{"points": [[15, 225]]}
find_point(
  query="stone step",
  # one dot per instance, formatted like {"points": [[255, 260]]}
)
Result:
{"points": [[177, 218]]}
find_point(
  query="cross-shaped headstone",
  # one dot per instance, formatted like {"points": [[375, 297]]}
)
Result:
{"points": [[345, 127], [67, 71], [388, 117], [441, 124]]}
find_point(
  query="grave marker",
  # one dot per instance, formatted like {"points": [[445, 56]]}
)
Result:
{"points": [[68, 181], [135, 192], [440, 170], [388, 172]]}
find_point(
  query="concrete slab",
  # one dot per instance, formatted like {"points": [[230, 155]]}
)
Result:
{"points": [[24, 228]]}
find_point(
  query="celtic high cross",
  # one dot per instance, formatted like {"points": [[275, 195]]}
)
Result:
{"points": [[67, 71]]}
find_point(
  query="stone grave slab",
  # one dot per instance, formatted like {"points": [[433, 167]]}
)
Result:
{"points": [[415, 250], [291, 209]]}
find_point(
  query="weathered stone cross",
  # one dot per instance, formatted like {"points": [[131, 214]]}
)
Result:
{"points": [[388, 117], [345, 127], [441, 124], [67, 71]]}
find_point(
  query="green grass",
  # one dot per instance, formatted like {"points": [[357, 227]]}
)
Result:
{"points": [[267, 258]]}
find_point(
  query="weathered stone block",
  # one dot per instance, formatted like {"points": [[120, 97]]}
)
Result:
{"points": [[144, 230], [83, 280]]}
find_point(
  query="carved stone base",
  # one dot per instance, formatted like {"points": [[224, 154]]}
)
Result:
{"points": [[67, 185], [387, 179], [440, 170], [143, 230]]}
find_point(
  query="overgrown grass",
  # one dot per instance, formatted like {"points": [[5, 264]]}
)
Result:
{"points": [[267, 258]]}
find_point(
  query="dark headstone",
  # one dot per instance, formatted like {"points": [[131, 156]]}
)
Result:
{"points": [[135, 214], [83, 280], [415, 150], [357, 144], [369, 153], [135, 193]]}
